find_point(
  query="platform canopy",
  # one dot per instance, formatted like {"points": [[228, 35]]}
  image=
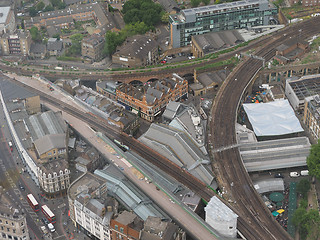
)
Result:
{"points": [[272, 118]]}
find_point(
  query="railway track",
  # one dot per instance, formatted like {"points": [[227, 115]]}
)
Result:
{"points": [[222, 133]]}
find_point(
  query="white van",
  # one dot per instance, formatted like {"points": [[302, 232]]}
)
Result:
{"points": [[51, 227], [305, 173], [294, 174]]}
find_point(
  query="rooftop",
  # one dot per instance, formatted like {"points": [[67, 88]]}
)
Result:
{"points": [[4, 11], [49, 142], [37, 48], [54, 166]]}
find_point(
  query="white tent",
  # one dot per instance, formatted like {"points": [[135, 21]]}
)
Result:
{"points": [[272, 118]]}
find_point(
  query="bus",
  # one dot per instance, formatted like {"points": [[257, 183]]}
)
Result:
{"points": [[33, 202], [48, 213]]}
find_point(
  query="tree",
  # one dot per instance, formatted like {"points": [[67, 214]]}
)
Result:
{"points": [[165, 17], [33, 12], [57, 36], [75, 48], [313, 160], [112, 41], [35, 34], [303, 187], [205, 2], [40, 6], [195, 3]]}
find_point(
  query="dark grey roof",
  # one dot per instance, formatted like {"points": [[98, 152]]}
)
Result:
{"points": [[49, 142], [54, 45], [214, 41], [70, 2], [58, 21], [137, 47], [12, 91], [37, 48], [94, 39], [53, 30], [169, 5]]}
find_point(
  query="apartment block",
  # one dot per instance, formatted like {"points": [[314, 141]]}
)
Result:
{"points": [[218, 17], [311, 115], [15, 44], [7, 20], [92, 47]]}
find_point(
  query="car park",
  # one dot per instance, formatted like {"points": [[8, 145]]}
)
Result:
{"points": [[294, 174]]}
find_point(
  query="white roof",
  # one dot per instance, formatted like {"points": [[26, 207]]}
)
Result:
{"points": [[272, 118], [4, 11], [219, 211]]}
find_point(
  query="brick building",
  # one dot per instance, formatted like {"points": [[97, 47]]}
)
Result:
{"points": [[149, 100], [15, 44], [137, 51], [311, 115], [92, 47], [291, 50]]}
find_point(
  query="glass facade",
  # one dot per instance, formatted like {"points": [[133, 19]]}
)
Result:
{"points": [[219, 17]]}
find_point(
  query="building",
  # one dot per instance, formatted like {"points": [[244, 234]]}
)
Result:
{"points": [[219, 17], [312, 114], [92, 47], [32, 104], [149, 100], [297, 89], [93, 215], [128, 122], [38, 50], [291, 50], [7, 20], [87, 183], [305, 3], [17, 43], [169, 6], [13, 224], [107, 88], [54, 47], [214, 41], [221, 218], [54, 178], [137, 51], [49, 135], [126, 226]]}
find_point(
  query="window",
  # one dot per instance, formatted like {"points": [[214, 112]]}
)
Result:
{"points": [[121, 229], [116, 227]]}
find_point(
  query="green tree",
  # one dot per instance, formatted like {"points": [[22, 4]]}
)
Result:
{"points": [[313, 160], [40, 6], [112, 41], [33, 12], [195, 3], [48, 8], [57, 36], [165, 17], [35, 34], [205, 2], [75, 48], [303, 187]]}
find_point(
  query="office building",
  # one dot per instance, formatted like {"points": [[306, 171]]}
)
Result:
{"points": [[219, 17]]}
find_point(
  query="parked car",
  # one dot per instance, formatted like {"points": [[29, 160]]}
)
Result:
{"points": [[44, 230], [294, 174], [51, 227], [163, 61], [304, 173], [45, 221], [278, 175]]}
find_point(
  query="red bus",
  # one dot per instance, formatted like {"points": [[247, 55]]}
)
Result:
{"points": [[33, 202], [48, 213]]}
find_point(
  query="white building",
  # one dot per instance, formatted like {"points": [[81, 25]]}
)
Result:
{"points": [[7, 20], [94, 216], [221, 218]]}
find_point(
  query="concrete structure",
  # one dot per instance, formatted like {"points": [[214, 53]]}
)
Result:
{"points": [[207, 43], [54, 178], [7, 20], [297, 89], [221, 218], [311, 115], [149, 100], [137, 51], [13, 224], [17, 43], [220, 17], [92, 47]]}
